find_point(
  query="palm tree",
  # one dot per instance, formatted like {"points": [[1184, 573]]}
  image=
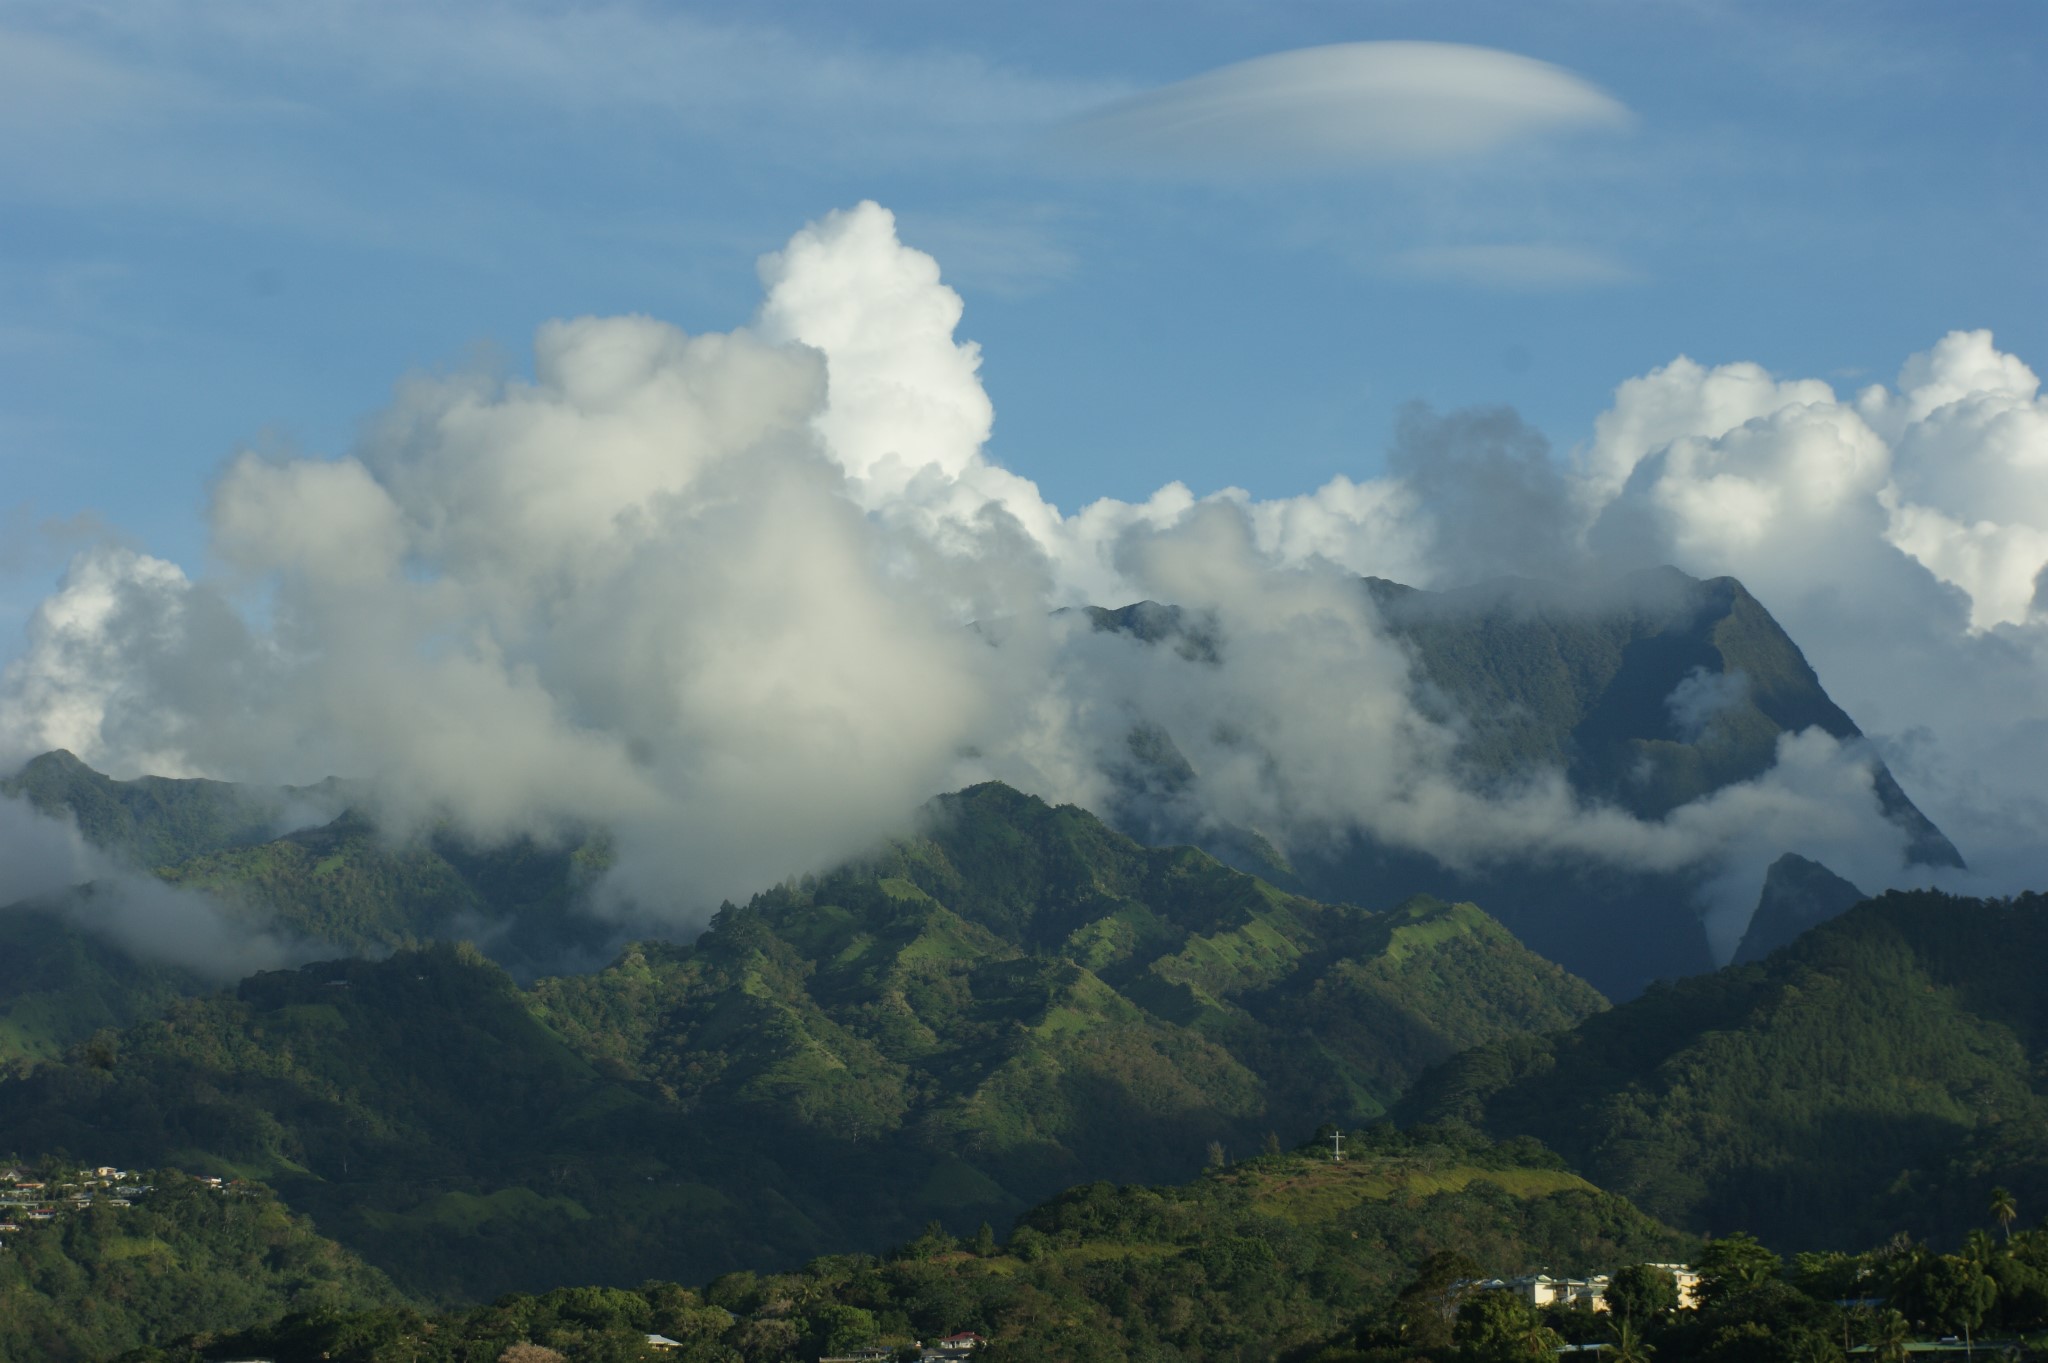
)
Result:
{"points": [[1629, 1344], [1535, 1340], [1890, 1337], [2004, 1210], [1818, 1349]]}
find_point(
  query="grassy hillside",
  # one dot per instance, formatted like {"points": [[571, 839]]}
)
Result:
{"points": [[1880, 1074]]}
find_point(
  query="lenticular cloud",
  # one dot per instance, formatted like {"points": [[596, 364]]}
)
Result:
{"points": [[749, 598]]}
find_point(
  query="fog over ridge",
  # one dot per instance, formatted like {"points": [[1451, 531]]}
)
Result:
{"points": [[46, 866], [715, 592]]}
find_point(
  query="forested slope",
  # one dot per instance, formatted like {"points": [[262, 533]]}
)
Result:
{"points": [[60, 983], [183, 1259], [1879, 1074], [1017, 1001]]}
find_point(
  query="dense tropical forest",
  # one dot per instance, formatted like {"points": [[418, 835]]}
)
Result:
{"points": [[182, 1258], [1878, 1074]]}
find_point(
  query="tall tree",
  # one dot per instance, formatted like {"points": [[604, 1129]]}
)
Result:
{"points": [[1889, 1339], [1642, 1293], [2004, 1210], [1501, 1327], [1732, 1263], [1428, 1307]]}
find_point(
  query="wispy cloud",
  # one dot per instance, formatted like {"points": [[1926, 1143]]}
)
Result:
{"points": [[722, 80], [1011, 253], [439, 129], [1340, 107]]}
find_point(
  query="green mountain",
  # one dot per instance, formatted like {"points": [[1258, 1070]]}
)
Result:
{"points": [[348, 887], [1263, 1258], [1647, 693], [182, 1259], [976, 1018], [1879, 1074], [1006, 984], [306, 862], [157, 820], [59, 983], [337, 887]]}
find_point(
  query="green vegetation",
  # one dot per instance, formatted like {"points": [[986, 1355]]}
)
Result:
{"points": [[334, 880], [59, 984], [1379, 1265], [1031, 990], [399, 1103], [1214, 1268], [345, 884], [1751, 1310], [966, 1024], [156, 820], [975, 1018], [183, 1259], [1881, 1073]]}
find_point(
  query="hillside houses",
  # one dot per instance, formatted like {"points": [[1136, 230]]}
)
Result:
{"points": [[1540, 1289], [27, 1202], [951, 1349]]}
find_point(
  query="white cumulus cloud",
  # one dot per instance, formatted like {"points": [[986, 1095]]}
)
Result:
{"points": [[748, 598]]}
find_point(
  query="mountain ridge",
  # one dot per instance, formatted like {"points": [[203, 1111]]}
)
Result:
{"points": [[970, 1020]]}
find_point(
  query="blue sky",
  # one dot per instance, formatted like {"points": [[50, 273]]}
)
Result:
{"points": [[236, 224]]}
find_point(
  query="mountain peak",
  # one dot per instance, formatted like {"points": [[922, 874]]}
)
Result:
{"points": [[1798, 894]]}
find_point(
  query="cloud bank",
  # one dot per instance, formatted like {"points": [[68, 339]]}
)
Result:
{"points": [[748, 598]]}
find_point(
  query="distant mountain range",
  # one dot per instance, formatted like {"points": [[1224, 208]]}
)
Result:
{"points": [[1536, 677], [1540, 676]]}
